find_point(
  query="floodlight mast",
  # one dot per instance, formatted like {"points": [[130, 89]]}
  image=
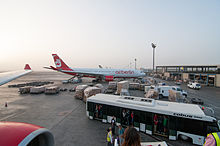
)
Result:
{"points": [[153, 46]]}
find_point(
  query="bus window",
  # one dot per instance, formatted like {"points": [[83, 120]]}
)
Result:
{"points": [[125, 116], [165, 125], [110, 110], [159, 127], [212, 127], [190, 126], [104, 109], [142, 117], [90, 107], [117, 112], [149, 118], [96, 110], [100, 113], [218, 124], [136, 116], [113, 111], [155, 120], [172, 123]]}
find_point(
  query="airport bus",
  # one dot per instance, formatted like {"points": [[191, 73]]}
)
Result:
{"points": [[170, 119]]}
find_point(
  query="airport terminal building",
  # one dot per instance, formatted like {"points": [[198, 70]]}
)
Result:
{"points": [[205, 74]]}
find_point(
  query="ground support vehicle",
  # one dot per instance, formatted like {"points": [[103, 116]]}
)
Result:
{"points": [[186, 121], [194, 85]]}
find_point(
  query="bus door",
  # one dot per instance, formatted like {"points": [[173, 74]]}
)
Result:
{"points": [[98, 111], [160, 123]]}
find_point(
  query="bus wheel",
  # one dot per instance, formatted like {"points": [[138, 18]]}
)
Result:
{"points": [[185, 138], [160, 96]]}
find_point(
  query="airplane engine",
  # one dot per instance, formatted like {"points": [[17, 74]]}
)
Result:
{"points": [[109, 78], [24, 134]]}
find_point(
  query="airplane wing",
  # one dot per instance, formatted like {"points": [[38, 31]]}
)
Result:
{"points": [[6, 77]]}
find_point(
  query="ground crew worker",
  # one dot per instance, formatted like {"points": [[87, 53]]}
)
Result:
{"points": [[109, 136], [212, 139]]}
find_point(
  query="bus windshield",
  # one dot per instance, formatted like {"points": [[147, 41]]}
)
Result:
{"points": [[219, 125]]}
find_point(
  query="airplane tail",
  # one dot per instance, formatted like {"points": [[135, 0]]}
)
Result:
{"points": [[27, 67], [59, 63]]}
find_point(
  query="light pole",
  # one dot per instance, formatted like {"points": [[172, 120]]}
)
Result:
{"points": [[153, 46], [135, 63]]}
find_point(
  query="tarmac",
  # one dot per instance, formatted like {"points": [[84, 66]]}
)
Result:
{"points": [[65, 116]]}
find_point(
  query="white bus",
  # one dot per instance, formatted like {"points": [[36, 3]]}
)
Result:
{"points": [[170, 119]]}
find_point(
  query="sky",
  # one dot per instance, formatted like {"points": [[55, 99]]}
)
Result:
{"points": [[86, 33]]}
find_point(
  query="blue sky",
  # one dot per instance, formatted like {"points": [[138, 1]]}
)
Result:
{"points": [[113, 33]]}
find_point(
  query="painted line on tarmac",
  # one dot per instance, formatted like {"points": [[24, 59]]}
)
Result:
{"points": [[11, 116], [66, 115]]}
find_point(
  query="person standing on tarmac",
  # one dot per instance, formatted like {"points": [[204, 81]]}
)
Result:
{"points": [[120, 134], [109, 137], [212, 139], [113, 122]]}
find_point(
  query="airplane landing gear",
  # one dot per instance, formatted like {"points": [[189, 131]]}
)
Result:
{"points": [[97, 80], [74, 80]]}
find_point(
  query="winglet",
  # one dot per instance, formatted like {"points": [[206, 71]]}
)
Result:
{"points": [[27, 67], [59, 63]]}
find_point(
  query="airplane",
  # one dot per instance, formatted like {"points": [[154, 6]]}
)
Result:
{"points": [[18, 133], [98, 73], [6, 77]]}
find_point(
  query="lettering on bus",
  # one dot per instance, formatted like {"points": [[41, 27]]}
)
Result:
{"points": [[182, 115], [197, 117], [124, 72]]}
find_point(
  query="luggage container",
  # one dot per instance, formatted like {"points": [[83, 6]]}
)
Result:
{"points": [[37, 90], [134, 86], [122, 85], [24, 90], [80, 91], [112, 85], [90, 91], [100, 86], [52, 90]]}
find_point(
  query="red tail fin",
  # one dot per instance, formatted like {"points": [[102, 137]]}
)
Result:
{"points": [[27, 67], [59, 63]]}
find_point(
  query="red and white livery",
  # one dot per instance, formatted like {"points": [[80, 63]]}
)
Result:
{"points": [[98, 73]]}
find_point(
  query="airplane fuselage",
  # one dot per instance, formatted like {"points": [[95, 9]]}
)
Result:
{"points": [[99, 73], [116, 73]]}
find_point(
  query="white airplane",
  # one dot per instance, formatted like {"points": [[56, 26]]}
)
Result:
{"points": [[98, 73], [6, 77]]}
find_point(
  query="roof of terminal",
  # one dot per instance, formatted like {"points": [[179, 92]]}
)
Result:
{"points": [[188, 66]]}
